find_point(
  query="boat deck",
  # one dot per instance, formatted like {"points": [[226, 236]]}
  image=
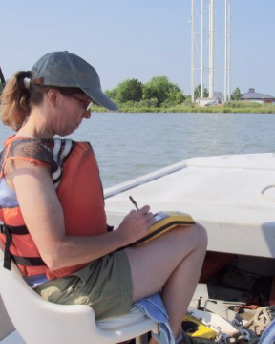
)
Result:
{"points": [[223, 193]]}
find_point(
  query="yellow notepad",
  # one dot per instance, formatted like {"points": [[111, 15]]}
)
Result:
{"points": [[165, 220]]}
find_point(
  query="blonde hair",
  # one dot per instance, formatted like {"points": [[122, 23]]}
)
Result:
{"points": [[15, 101]]}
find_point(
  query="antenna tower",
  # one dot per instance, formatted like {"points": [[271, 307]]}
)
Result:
{"points": [[211, 46]]}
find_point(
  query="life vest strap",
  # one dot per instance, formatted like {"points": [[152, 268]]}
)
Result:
{"points": [[7, 254], [34, 261], [110, 228], [18, 230]]}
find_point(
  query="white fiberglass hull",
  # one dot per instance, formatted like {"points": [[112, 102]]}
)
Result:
{"points": [[223, 193]]}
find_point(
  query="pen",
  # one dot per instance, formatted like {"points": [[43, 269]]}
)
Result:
{"points": [[133, 201]]}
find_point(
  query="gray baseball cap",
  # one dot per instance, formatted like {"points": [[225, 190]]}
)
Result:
{"points": [[64, 69]]}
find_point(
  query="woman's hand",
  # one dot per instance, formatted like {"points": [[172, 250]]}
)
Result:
{"points": [[136, 225]]}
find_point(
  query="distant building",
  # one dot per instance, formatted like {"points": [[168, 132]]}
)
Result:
{"points": [[218, 97], [252, 96], [210, 101]]}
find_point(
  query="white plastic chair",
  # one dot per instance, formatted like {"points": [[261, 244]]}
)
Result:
{"points": [[39, 321]]}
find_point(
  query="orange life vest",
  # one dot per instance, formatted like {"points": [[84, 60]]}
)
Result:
{"points": [[78, 187]]}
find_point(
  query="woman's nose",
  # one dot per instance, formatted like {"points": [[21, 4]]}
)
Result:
{"points": [[87, 114]]}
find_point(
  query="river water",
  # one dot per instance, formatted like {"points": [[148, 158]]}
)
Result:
{"points": [[130, 145]]}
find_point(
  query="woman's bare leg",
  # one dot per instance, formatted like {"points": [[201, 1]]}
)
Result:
{"points": [[170, 263]]}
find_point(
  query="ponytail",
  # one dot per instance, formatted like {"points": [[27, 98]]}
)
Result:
{"points": [[15, 102]]}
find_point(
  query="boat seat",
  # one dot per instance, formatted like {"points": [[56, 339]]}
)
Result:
{"points": [[39, 321]]}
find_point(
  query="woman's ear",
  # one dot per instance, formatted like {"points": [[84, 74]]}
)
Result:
{"points": [[52, 96]]}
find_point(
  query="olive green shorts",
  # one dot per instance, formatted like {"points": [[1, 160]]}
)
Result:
{"points": [[105, 285]]}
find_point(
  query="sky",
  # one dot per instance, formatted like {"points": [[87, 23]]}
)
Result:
{"points": [[140, 39]]}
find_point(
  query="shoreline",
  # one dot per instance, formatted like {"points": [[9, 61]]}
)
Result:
{"points": [[253, 109]]}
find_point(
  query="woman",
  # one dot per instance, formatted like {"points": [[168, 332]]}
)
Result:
{"points": [[53, 209]]}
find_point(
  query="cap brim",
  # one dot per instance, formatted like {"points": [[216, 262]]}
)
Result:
{"points": [[101, 99]]}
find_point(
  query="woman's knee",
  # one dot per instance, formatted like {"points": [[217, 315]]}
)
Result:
{"points": [[199, 235]]}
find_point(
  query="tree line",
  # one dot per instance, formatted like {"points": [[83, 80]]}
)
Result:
{"points": [[159, 91]]}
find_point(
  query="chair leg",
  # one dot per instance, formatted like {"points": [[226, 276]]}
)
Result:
{"points": [[143, 339]]}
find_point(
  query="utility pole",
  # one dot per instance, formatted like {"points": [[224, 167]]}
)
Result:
{"points": [[193, 41], [211, 49], [3, 81], [218, 58], [227, 53]]}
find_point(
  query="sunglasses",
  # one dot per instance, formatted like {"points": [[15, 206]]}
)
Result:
{"points": [[87, 104]]}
